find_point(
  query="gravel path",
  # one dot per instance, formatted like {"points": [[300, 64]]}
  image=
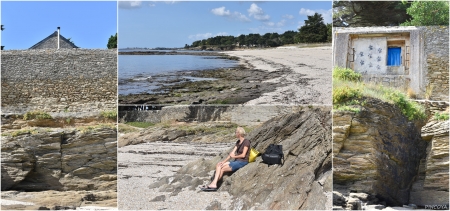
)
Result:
{"points": [[143, 164], [307, 64]]}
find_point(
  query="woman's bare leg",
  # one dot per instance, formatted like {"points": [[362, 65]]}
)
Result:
{"points": [[219, 173]]}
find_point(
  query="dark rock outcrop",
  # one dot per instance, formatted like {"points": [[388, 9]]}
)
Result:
{"points": [[303, 182], [376, 151], [60, 159]]}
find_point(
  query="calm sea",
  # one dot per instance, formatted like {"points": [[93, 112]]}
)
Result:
{"points": [[137, 72]]}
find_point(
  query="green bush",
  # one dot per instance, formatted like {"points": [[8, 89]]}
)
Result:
{"points": [[343, 94], [109, 114], [441, 116], [410, 109], [346, 74], [36, 115]]}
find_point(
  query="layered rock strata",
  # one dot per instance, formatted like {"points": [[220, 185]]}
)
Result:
{"points": [[376, 151], [60, 159], [432, 183]]}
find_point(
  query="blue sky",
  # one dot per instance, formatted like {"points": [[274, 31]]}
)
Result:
{"points": [[88, 24], [174, 24]]}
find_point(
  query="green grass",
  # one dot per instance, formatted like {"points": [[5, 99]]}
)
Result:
{"points": [[20, 132], [441, 116], [349, 91], [86, 129], [124, 128], [109, 114], [349, 108], [140, 124], [224, 101], [36, 115], [346, 74], [345, 93]]}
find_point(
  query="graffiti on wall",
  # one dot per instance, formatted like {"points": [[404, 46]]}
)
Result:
{"points": [[389, 80], [370, 55]]}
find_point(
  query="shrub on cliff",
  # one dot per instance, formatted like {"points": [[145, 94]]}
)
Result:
{"points": [[109, 114], [346, 74], [410, 109], [347, 91], [36, 115], [441, 116], [344, 94]]}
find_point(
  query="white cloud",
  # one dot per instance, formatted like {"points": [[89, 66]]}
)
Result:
{"points": [[240, 17], [261, 17], [200, 36], [304, 11], [270, 23], [220, 11], [288, 16], [151, 5], [255, 10], [257, 13], [279, 24], [326, 14], [206, 35], [300, 24], [221, 34], [130, 4]]}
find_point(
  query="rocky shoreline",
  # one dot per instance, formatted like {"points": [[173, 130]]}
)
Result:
{"points": [[225, 86], [280, 80]]}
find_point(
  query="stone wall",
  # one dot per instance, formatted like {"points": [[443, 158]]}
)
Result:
{"points": [[64, 80], [436, 65], [238, 114], [431, 107]]}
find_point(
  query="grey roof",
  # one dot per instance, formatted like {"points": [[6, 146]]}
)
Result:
{"points": [[65, 43]]}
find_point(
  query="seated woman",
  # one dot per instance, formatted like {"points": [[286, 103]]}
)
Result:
{"points": [[240, 154]]}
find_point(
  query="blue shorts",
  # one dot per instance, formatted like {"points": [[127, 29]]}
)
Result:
{"points": [[235, 165]]}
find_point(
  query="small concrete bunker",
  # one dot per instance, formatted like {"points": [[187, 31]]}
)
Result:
{"points": [[410, 57]]}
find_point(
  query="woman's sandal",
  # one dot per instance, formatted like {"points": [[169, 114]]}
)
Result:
{"points": [[203, 187], [209, 189]]}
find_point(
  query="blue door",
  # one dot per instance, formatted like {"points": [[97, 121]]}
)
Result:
{"points": [[394, 56]]}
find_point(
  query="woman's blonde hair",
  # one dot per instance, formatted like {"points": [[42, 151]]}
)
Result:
{"points": [[241, 131]]}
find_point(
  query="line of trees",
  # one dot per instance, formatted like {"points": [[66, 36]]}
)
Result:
{"points": [[314, 30]]}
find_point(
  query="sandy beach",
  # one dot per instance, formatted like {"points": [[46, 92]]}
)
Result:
{"points": [[313, 64]]}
